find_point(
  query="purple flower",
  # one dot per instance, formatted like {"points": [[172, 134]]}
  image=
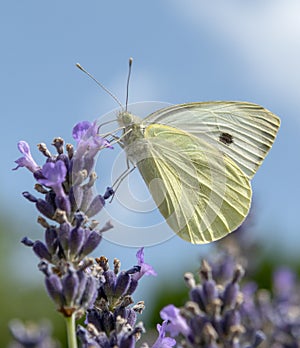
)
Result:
{"points": [[87, 137], [27, 160], [80, 130], [54, 174], [177, 323], [162, 341], [146, 269]]}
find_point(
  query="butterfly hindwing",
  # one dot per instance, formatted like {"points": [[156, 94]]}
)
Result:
{"points": [[200, 191]]}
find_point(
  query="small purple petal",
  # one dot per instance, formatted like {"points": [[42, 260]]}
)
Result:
{"points": [[80, 130], [146, 269], [87, 137], [27, 160], [177, 323], [162, 341], [54, 173]]}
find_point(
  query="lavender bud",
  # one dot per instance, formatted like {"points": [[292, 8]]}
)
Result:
{"points": [[89, 163], [132, 286], [29, 197], [50, 198], [70, 150], [58, 143], [95, 207], [110, 281], [79, 218], [127, 313], [51, 239], [86, 340], [64, 235], [103, 262], [210, 291], [70, 284], [82, 277], [76, 240], [108, 225], [91, 243], [122, 284], [75, 197], [93, 317], [127, 341], [230, 295], [205, 270], [196, 295], [63, 203], [28, 242], [45, 208], [54, 288], [232, 318], [86, 198], [190, 280], [41, 250], [90, 292], [44, 150], [108, 321]]}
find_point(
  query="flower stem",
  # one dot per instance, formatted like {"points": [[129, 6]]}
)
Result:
{"points": [[71, 331]]}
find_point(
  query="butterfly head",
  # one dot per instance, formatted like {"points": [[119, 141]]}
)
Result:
{"points": [[126, 119]]}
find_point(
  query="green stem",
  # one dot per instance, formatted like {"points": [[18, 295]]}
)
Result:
{"points": [[71, 331]]}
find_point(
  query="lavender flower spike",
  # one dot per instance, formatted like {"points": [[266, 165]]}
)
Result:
{"points": [[27, 160], [146, 269]]}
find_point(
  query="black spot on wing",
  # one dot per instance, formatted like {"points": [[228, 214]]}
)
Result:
{"points": [[226, 138]]}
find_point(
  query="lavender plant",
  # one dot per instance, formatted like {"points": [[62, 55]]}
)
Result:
{"points": [[78, 284], [224, 310], [227, 309]]}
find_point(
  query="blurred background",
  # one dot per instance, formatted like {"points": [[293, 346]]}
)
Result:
{"points": [[183, 51]]}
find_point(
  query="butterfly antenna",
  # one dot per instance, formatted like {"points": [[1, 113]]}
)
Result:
{"points": [[128, 79], [100, 84]]}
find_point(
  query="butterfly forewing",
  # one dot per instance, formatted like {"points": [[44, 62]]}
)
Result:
{"points": [[244, 131]]}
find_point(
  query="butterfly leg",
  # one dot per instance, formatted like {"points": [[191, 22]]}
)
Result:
{"points": [[120, 179]]}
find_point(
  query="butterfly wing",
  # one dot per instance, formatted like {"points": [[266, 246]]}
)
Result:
{"points": [[244, 131], [200, 191]]}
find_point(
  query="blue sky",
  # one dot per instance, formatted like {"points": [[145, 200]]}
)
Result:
{"points": [[183, 51]]}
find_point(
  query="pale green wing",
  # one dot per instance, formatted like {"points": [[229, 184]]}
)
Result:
{"points": [[244, 131], [201, 192]]}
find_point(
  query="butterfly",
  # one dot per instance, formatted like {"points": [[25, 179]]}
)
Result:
{"points": [[198, 159]]}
